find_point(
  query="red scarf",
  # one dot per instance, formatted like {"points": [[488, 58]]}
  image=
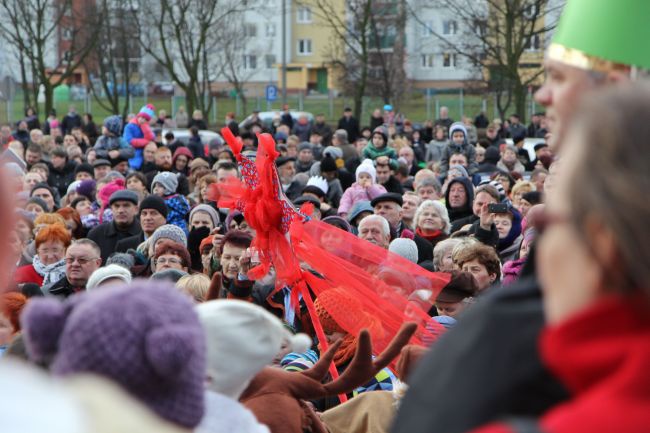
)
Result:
{"points": [[431, 236]]}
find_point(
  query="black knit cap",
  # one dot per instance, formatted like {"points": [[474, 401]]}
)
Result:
{"points": [[328, 164], [156, 203], [84, 168]]}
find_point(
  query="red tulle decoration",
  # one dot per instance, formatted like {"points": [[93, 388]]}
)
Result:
{"points": [[289, 240]]}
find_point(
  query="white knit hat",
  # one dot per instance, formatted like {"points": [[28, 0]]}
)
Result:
{"points": [[242, 339], [110, 271], [367, 166], [404, 247]]}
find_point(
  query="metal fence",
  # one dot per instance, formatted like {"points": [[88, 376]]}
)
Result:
{"points": [[416, 106]]}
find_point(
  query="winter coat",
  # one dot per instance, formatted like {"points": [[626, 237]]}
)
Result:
{"points": [[467, 149], [138, 136], [357, 193], [303, 131], [511, 271], [71, 120], [602, 356], [503, 327], [517, 167], [199, 123], [435, 150], [61, 178], [178, 207], [197, 148], [106, 236], [106, 143], [351, 125], [27, 274], [465, 211], [181, 119], [371, 152], [62, 288], [393, 185]]}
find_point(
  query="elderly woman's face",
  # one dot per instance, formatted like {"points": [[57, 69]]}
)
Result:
{"points": [[563, 259], [51, 252], [430, 220]]}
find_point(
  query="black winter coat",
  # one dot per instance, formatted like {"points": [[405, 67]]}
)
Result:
{"points": [[61, 178], [107, 236], [487, 367]]}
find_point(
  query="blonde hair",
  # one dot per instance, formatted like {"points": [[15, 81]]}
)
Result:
{"points": [[522, 187], [196, 286]]}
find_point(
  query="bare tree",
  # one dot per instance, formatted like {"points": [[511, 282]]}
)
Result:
{"points": [[116, 56], [496, 36], [33, 27], [368, 46], [180, 36], [238, 57]]}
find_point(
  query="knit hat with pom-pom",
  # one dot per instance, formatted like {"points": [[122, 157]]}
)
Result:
{"points": [[146, 337]]}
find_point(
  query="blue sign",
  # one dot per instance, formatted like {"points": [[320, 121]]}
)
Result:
{"points": [[271, 93]]}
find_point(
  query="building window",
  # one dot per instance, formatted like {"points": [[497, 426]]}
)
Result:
{"points": [[449, 27], [67, 56], [304, 15], [250, 61], [270, 30], [250, 30], [269, 60], [304, 47], [426, 28], [449, 60], [533, 44], [426, 60], [66, 34]]}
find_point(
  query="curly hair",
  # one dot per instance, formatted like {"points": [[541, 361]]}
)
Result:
{"points": [[486, 255], [174, 248]]}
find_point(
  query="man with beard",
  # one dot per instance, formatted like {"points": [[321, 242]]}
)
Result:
{"points": [[163, 162], [124, 205], [490, 359]]}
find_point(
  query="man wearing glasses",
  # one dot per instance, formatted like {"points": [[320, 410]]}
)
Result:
{"points": [[82, 258]]}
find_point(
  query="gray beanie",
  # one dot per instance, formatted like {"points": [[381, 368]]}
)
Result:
{"points": [[404, 247], [167, 180], [123, 259], [170, 232], [214, 216], [172, 275], [107, 272]]}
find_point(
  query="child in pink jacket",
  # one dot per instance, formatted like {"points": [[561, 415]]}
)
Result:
{"points": [[364, 188]]}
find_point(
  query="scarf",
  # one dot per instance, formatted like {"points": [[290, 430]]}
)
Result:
{"points": [[429, 237], [50, 273]]}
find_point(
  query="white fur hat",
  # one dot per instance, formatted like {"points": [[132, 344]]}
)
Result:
{"points": [[242, 339], [367, 166], [107, 272]]}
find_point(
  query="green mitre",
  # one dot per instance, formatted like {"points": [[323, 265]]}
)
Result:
{"points": [[603, 35]]}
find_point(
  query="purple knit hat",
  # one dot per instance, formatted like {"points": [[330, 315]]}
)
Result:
{"points": [[144, 336]]}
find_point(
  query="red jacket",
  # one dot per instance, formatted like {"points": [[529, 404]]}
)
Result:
{"points": [[602, 356], [27, 274]]}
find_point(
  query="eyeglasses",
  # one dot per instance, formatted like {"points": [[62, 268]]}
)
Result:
{"points": [[81, 260], [171, 261]]}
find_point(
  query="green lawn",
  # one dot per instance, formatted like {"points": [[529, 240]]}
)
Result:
{"points": [[417, 107]]}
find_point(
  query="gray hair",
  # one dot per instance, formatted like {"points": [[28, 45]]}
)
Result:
{"points": [[384, 223], [441, 249], [88, 242], [342, 135], [430, 181], [440, 208]]}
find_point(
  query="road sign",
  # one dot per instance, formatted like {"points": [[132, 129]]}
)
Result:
{"points": [[271, 93]]}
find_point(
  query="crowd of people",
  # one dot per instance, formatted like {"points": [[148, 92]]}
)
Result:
{"points": [[121, 263]]}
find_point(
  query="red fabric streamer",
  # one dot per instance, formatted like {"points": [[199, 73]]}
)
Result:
{"points": [[287, 239]]}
